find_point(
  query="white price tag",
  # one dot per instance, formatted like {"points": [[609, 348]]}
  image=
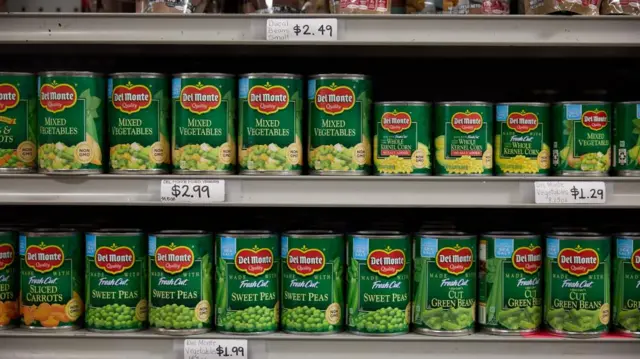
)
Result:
{"points": [[570, 192], [215, 348], [302, 29], [191, 191]]}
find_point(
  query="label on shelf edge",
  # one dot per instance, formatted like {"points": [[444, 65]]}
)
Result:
{"points": [[302, 29], [215, 348], [191, 191], [565, 192]]}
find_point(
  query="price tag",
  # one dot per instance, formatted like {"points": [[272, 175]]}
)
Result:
{"points": [[570, 192], [215, 348], [302, 29], [191, 191]]}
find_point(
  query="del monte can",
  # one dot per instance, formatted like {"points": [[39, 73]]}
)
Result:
{"points": [[626, 282], [9, 279], [18, 123], [626, 139]]}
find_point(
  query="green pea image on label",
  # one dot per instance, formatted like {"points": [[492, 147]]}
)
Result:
{"points": [[626, 138], [18, 122], [626, 284], [9, 279]]}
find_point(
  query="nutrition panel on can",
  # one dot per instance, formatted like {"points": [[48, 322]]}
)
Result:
{"points": [[180, 282], [523, 136], [51, 279], [270, 124], [116, 280], [444, 296], [581, 138], [9, 280], [464, 132], [402, 140], [510, 282], [626, 284], [577, 284], [70, 122], [138, 123], [379, 283], [247, 289], [204, 136], [312, 282], [626, 138], [339, 130], [18, 122]]}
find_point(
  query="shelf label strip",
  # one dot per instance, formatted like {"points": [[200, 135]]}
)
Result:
{"points": [[565, 192]]}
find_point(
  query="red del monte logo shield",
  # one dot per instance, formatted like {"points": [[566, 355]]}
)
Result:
{"points": [[268, 99], [595, 120], [578, 262], [57, 97], [386, 262], [305, 262], [200, 99], [334, 100], [455, 260], [395, 122], [174, 259], [7, 255], [131, 98], [43, 258], [635, 260], [9, 97], [522, 122], [527, 259], [466, 122], [114, 259], [254, 261]]}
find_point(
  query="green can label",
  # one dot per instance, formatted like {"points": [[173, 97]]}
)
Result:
{"points": [[463, 139], [204, 124], [510, 295], [582, 137], [70, 133], [51, 280], [444, 294], [379, 284], [9, 280], [626, 290], [270, 124], [577, 285], [180, 283], [626, 137], [17, 121], [339, 133], [138, 124], [247, 291], [312, 283], [116, 281], [402, 141], [522, 139]]}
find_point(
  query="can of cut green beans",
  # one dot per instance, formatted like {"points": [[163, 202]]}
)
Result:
{"points": [[247, 287], [510, 283], [180, 282], [18, 123], [379, 282], [312, 281], [626, 291], [9, 279], [116, 280], [444, 296], [577, 284]]}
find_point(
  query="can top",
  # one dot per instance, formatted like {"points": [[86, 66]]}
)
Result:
{"points": [[380, 234], [312, 233], [630, 235], [51, 232], [70, 73], [510, 234], [4, 230], [7, 73], [618, 103], [208, 75], [402, 103], [248, 233], [582, 103], [580, 235], [181, 233], [116, 231], [273, 75], [445, 234], [144, 75], [463, 103], [531, 104], [340, 76]]}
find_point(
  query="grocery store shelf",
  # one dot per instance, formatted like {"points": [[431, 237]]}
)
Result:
{"points": [[577, 31], [308, 191]]}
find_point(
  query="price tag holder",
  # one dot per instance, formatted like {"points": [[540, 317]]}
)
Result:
{"points": [[215, 348], [191, 191], [302, 29], [564, 192]]}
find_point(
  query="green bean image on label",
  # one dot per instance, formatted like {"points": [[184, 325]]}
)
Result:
{"points": [[18, 122], [626, 284], [626, 139], [9, 279]]}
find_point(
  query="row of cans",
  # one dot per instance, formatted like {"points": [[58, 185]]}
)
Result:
{"points": [[443, 283]]}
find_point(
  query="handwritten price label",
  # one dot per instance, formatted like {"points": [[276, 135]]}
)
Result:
{"points": [[191, 191], [562, 192], [300, 29], [215, 349]]}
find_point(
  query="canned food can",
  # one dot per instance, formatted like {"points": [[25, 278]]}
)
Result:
{"points": [[51, 279], [247, 288], [379, 283], [180, 282], [577, 284], [582, 138], [339, 131], [626, 139], [444, 295], [116, 280], [312, 281], [626, 276], [18, 122], [402, 141], [204, 134], [464, 133], [138, 123], [510, 283], [9, 279], [70, 122], [270, 125]]}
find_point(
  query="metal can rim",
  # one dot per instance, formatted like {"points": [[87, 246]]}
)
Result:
{"points": [[256, 233], [115, 231], [273, 75], [71, 73], [380, 234], [532, 104], [582, 103], [578, 235], [630, 235], [515, 234], [464, 103], [317, 233], [209, 75], [445, 234], [17, 73], [53, 232], [181, 233], [402, 103], [628, 103], [144, 75], [340, 76]]}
